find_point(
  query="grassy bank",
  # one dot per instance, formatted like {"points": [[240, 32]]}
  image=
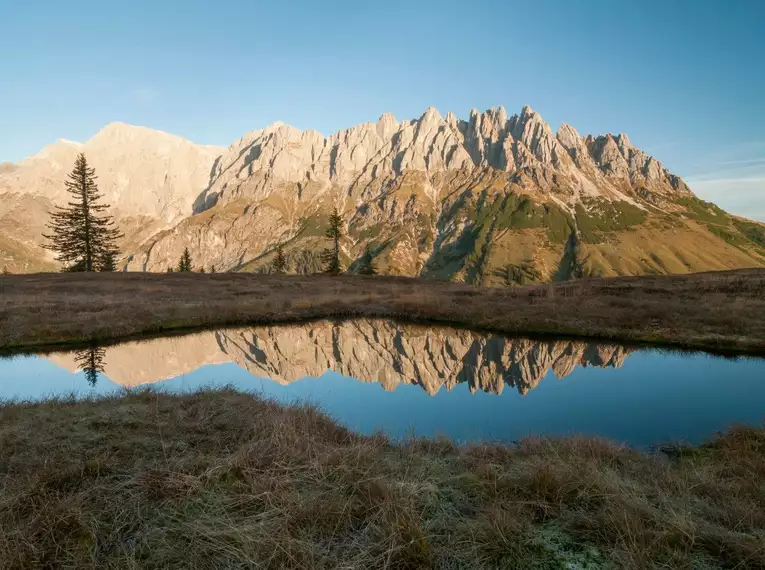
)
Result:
{"points": [[225, 480], [720, 310]]}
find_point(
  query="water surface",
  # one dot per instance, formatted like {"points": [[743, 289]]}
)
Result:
{"points": [[400, 379]]}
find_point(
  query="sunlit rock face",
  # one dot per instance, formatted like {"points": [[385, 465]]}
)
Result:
{"points": [[368, 350], [150, 180], [474, 200]]}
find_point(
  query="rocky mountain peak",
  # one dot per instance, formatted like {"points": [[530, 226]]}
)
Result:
{"points": [[141, 171], [419, 183], [387, 123], [431, 114], [430, 144], [568, 136]]}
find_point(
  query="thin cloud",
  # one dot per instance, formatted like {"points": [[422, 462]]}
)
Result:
{"points": [[744, 196], [747, 161], [653, 149], [727, 181], [144, 95], [730, 169]]}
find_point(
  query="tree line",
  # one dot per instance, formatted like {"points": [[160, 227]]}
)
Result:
{"points": [[84, 236], [330, 257]]}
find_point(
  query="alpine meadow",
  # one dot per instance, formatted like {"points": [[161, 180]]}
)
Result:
{"points": [[382, 285]]}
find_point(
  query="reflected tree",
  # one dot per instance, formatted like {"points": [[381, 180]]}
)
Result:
{"points": [[91, 361]]}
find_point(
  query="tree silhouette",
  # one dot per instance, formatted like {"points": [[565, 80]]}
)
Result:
{"points": [[331, 255], [571, 265], [109, 264], [366, 267], [82, 234], [91, 361], [279, 263], [184, 264]]}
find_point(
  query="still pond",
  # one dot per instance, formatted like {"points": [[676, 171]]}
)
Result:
{"points": [[379, 375]]}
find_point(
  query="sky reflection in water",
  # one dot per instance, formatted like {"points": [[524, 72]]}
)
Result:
{"points": [[426, 381]]}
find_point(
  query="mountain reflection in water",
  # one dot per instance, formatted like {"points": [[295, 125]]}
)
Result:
{"points": [[429, 373], [369, 350]]}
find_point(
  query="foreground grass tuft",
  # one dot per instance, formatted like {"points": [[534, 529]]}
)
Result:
{"points": [[221, 479]]}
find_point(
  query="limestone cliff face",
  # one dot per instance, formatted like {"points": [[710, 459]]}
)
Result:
{"points": [[150, 178], [353, 159], [493, 200], [368, 350]]}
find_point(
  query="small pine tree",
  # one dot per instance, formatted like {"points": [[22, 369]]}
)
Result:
{"points": [[184, 264], [279, 263], [5, 270], [572, 262], [212, 269], [82, 233], [331, 255], [202, 269], [108, 263], [170, 270], [366, 267]]}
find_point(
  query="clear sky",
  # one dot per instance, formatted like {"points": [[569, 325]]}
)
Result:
{"points": [[684, 78]]}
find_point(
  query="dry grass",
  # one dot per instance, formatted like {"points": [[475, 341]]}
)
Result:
{"points": [[226, 480], [720, 310]]}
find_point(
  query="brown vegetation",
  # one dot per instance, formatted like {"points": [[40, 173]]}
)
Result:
{"points": [[719, 310], [226, 480]]}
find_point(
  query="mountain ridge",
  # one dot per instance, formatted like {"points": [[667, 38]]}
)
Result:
{"points": [[370, 350], [435, 196]]}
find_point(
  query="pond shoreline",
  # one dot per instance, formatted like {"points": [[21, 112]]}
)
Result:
{"points": [[222, 478], [716, 312], [180, 332]]}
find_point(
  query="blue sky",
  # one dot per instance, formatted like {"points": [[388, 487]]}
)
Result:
{"points": [[684, 78]]}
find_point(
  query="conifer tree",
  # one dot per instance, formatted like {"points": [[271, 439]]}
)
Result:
{"points": [[279, 263], [91, 361], [108, 263], [571, 265], [5, 270], [82, 233], [366, 267], [184, 264], [331, 255]]}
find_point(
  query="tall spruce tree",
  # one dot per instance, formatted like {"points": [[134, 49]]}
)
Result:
{"points": [[279, 263], [82, 233], [366, 267], [331, 255], [184, 264]]}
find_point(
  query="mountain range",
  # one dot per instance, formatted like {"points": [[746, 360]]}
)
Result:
{"points": [[492, 200], [369, 350]]}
